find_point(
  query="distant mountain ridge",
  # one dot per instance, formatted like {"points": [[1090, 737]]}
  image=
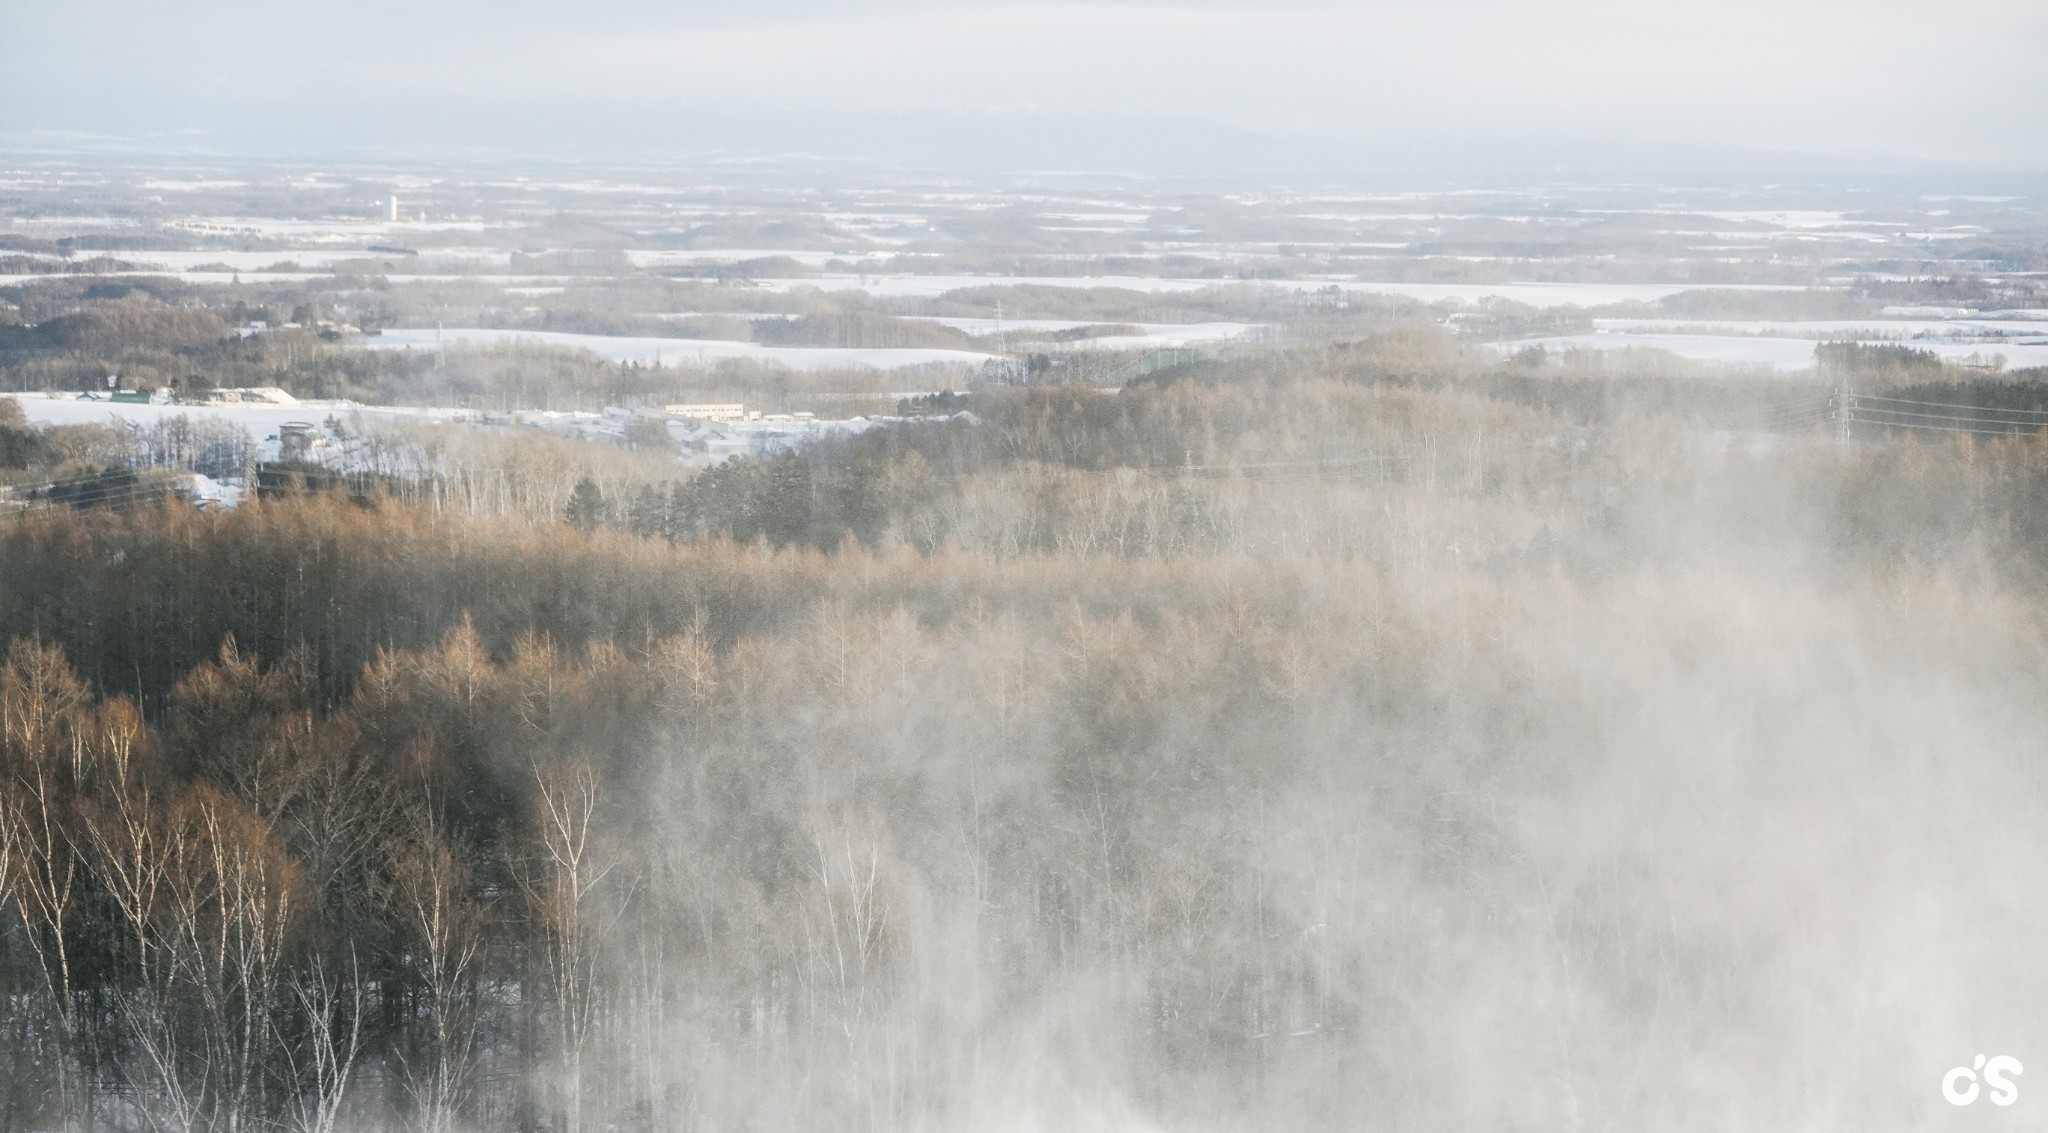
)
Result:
{"points": [[969, 142]]}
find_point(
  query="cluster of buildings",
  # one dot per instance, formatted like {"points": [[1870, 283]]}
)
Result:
{"points": [[328, 329]]}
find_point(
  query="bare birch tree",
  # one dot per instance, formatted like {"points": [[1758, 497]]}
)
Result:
{"points": [[563, 888], [431, 892]]}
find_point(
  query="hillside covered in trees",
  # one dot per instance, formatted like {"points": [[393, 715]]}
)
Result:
{"points": [[1314, 743]]}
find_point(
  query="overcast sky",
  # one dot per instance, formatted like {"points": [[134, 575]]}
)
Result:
{"points": [[1964, 79]]}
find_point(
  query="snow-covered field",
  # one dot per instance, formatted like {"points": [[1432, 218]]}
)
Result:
{"points": [[1776, 353], [262, 423], [183, 262], [330, 230], [188, 186], [680, 350], [304, 258], [933, 286], [665, 257], [261, 419], [202, 277], [1782, 218], [2025, 330], [1021, 326], [1546, 294], [1534, 294], [1153, 334]]}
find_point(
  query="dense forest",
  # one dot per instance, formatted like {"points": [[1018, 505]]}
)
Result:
{"points": [[1327, 741]]}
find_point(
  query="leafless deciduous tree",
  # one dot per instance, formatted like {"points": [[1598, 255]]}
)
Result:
{"points": [[432, 891]]}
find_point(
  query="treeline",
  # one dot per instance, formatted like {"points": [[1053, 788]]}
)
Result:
{"points": [[1226, 456], [302, 362], [173, 345], [1028, 468], [152, 344], [1411, 480]]}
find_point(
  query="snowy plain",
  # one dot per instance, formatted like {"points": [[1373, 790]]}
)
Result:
{"points": [[664, 257], [261, 420], [300, 259], [1891, 330], [1776, 353], [258, 418], [1534, 294], [1151, 334], [671, 351]]}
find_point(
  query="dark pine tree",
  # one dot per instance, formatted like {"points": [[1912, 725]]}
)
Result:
{"points": [[586, 505]]}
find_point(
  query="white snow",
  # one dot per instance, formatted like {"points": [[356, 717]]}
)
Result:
{"points": [[1783, 218], [620, 348], [1533, 294], [60, 220], [1554, 294], [210, 277], [990, 326], [1928, 312], [260, 420], [1153, 334], [328, 230], [1776, 353], [665, 257], [1878, 328], [238, 261], [310, 258]]}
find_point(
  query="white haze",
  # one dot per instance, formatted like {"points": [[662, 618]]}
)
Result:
{"points": [[1958, 83]]}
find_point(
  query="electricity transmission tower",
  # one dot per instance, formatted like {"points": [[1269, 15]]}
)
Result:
{"points": [[1845, 397]]}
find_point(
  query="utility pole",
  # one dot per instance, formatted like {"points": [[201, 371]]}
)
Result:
{"points": [[1845, 407], [1845, 395], [1003, 345]]}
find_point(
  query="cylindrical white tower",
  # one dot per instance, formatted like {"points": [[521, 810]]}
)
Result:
{"points": [[394, 206]]}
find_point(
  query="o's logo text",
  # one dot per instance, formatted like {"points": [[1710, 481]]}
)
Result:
{"points": [[1994, 1071]]}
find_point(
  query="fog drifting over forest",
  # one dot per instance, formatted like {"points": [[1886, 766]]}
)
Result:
{"points": [[1046, 567]]}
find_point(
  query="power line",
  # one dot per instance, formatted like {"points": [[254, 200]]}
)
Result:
{"points": [[1953, 406], [1876, 410], [1780, 420], [1955, 417], [1807, 411], [1744, 416], [1934, 428], [100, 492]]}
